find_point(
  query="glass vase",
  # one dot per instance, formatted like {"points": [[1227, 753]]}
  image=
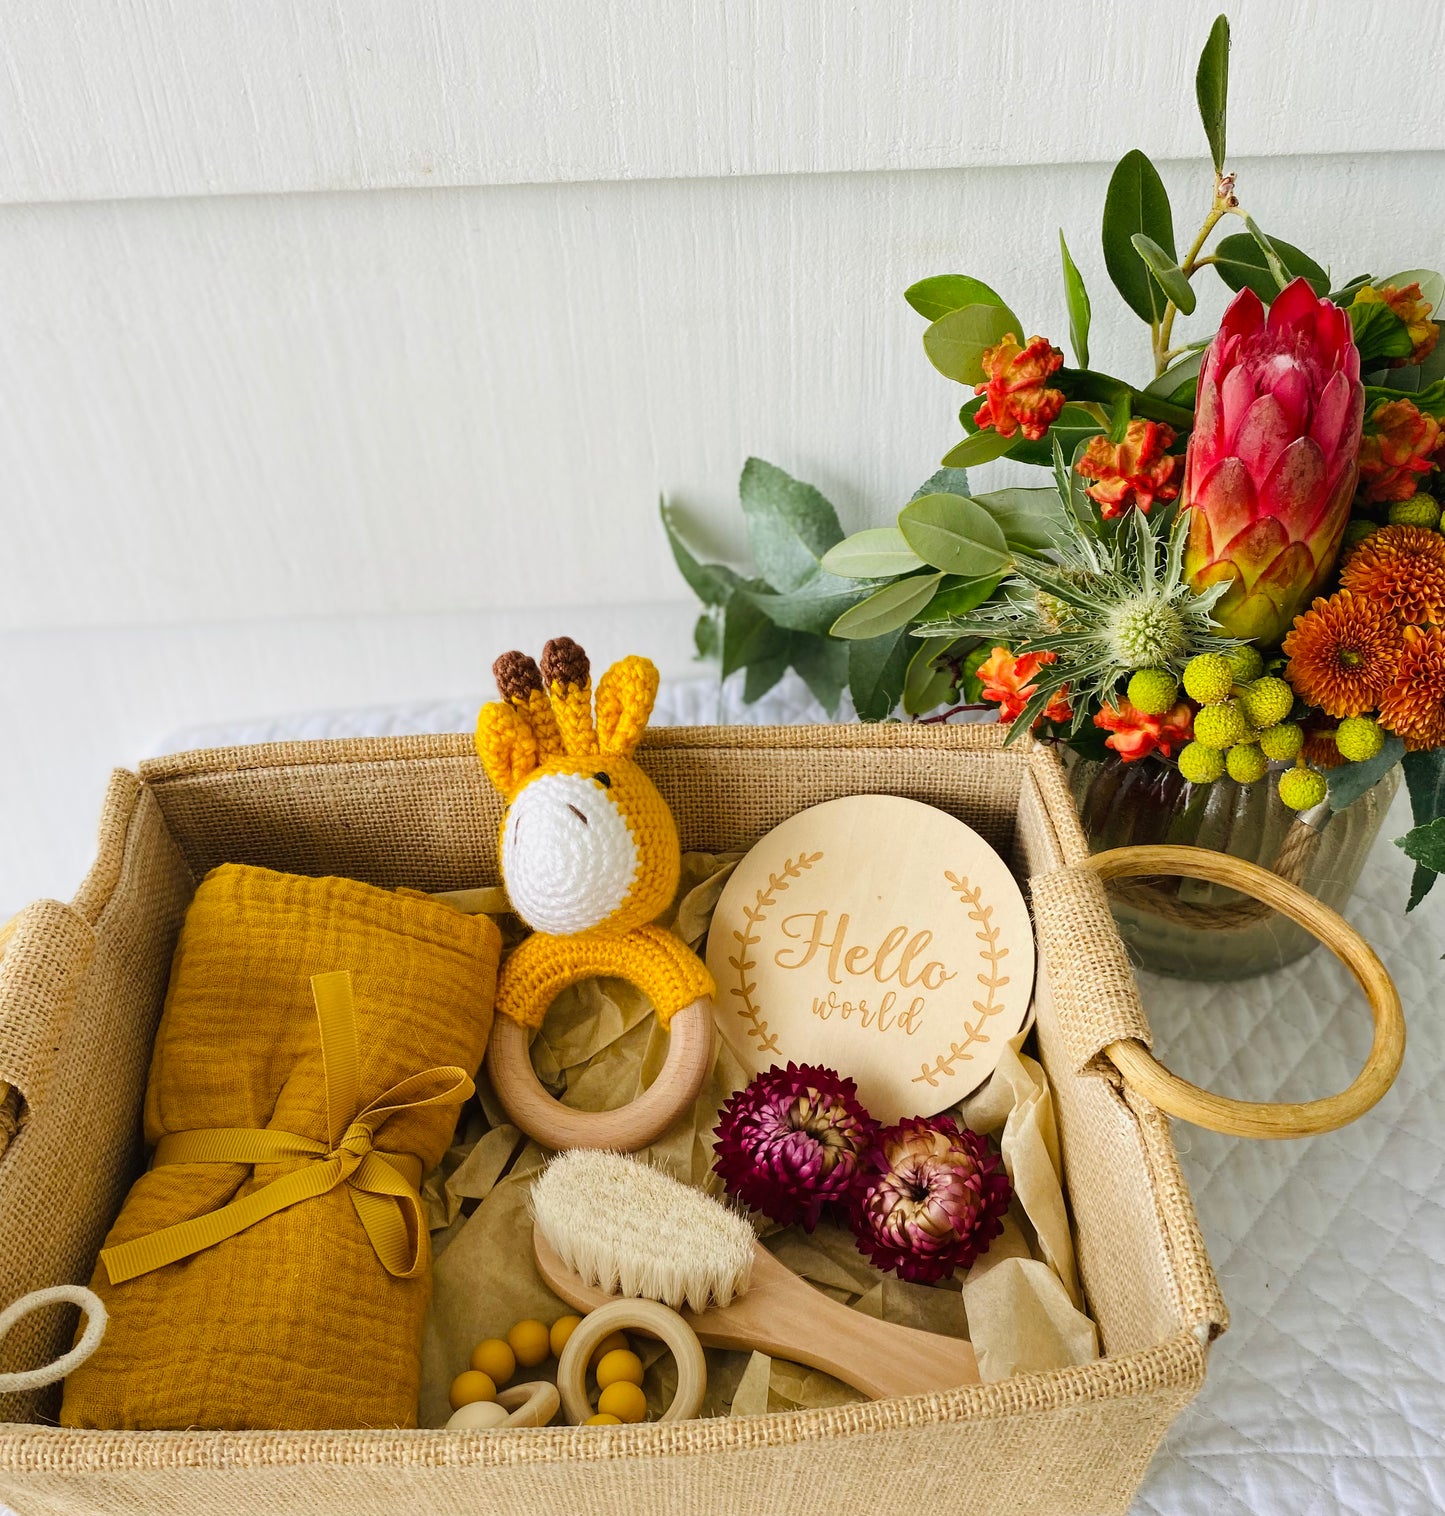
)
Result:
{"points": [[1195, 930]]}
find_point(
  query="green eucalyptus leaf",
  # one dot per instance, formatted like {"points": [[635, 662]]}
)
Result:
{"points": [[1425, 845], [878, 553], [1241, 262], [955, 343], [822, 665], [814, 606], [707, 635], [1136, 201], [1119, 419], [877, 669], [1351, 780], [1180, 381], [926, 686], [980, 447], [972, 686], [763, 674], [789, 524], [888, 609], [957, 597], [712, 583], [749, 638], [1076, 298], [1278, 272], [946, 481], [1031, 519], [1378, 332], [943, 293], [1171, 278], [954, 534], [1211, 89]]}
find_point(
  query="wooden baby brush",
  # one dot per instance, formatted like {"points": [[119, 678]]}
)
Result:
{"points": [[608, 1226]]}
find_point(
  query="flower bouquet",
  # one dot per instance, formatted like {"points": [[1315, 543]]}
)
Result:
{"points": [[1228, 600]]}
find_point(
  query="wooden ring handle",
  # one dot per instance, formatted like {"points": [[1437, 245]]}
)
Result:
{"points": [[533, 1404], [1249, 1118], [646, 1316], [625, 1130]]}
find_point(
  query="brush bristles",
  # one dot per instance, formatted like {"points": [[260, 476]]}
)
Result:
{"points": [[635, 1231]]}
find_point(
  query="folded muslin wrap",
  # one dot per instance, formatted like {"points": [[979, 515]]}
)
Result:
{"points": [[272, 1268]]}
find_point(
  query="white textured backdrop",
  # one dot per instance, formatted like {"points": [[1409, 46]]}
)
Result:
{"points": [[343, 346]]}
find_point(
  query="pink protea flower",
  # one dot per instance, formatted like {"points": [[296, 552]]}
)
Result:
{"points": [[792, 1142], [1271, 464], [932, 1200]]}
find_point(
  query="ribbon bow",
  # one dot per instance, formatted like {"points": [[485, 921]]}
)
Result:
{"points": [[383, 1186]]}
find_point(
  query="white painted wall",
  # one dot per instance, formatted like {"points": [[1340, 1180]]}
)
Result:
{"points": [[341, 347]]}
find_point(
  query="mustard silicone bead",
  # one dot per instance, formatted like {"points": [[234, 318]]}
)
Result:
{"points": [[1266, 702], [1302, 789], [1153, 691], [623, 1400], [1208, 677], [530, 1341], [494, 1358], [617, 1367], [1283, 742], [560, 1331], [1245, 763], [1419, 510], [1199, 764], [1359, 738], [602, 1419], [471, 1386], [1220, 726], [1246, 663], [609, 1344]]}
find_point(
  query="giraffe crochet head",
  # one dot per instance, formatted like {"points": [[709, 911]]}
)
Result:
{"points": [[587, 843]]}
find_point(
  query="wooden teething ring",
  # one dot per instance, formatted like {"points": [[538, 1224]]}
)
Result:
{"points": [[1248, 1118], [646, 1316], [625, 1130]]}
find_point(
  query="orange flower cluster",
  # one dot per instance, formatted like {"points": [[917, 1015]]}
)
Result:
{"points": [[1135, 472], [1378, 644], [1135, 735], [1017, 397], [1005, 679], [1398, 446]]}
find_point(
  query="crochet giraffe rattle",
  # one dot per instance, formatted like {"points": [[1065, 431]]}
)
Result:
{"points": [[590, 856]]}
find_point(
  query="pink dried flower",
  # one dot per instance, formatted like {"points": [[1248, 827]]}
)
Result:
{"points": [[932, 1199], [791, 1143]]}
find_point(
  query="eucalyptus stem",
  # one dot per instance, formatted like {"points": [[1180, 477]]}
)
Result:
{"points": [[1224, 204]]}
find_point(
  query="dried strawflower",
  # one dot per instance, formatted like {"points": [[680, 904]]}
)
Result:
{"points": [[1136, 734], [1414, 706], [1342, 653], [1135, 472], [1402, 568], [1006, 681], [1017, 399], [933, 1200], [1395, 449], [792, 1142]]}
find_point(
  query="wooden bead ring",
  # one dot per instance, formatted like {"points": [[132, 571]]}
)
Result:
{"points": [[1252, 1118], [625, 1130], [653, 1320]]}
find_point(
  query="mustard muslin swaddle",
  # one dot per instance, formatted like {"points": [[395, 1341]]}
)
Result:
{"points": [[312, 1315]]}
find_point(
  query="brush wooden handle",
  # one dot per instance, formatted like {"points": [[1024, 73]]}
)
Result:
{"points": [[786, 1317], [689, 1059]]}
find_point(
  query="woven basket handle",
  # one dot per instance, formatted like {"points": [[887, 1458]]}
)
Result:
{"points": [[1248, 1118]]}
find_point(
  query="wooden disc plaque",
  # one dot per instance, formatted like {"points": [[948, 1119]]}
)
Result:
{"points": [[879, 937]]}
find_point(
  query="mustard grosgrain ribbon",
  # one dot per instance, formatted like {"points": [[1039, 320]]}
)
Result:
{"points": [[382, 1186]]}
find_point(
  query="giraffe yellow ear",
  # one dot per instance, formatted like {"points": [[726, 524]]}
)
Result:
{"points": [[507, 745], [625, 696]]}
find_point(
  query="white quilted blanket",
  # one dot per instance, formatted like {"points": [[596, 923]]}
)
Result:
{"points": [[1327, 1395]]}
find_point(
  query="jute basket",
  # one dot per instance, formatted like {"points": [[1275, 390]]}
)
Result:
{"points": [[81, 987]]}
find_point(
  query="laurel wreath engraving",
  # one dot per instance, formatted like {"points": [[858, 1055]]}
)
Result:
{"points": [[991, 980], [756, 914]]}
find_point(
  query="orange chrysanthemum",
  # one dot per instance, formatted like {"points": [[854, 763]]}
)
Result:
{"points": [[1403, 568], [1414, 705], [1342, 654], [1320, 751]]}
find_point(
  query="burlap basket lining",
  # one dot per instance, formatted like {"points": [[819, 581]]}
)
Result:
{"points": [[82, 985]]}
